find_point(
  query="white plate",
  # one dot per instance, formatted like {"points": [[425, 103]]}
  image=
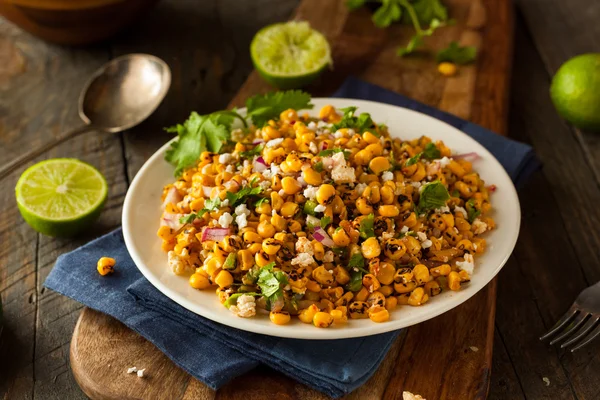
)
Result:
{"points": [[141, 216]]}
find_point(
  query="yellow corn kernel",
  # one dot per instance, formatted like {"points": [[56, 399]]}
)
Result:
{"points": [[289, 209], [413, 246], [165, 233], [404, 287], [255, 248], [370, 248], [421, 274], [278, 222], [432, 288], [276, 201], [387, 196], [386, 290], [416, 297], [478, 245], [245, 259], [370, 282], [370, 138], [340, 237], [420, 174], [323, 276], [265, 229], [379, 314], [454, 281], [464, 276], [363, 157], [447, 68], [341, 275], [391, 303], [363, 206], [403, 299], [394, 249], [252, 237], [312, 177], [279, 317], [261, 258], [105, 265], [294, 226], [308, 314], [313, 286], [388, 211], [322, 320], [379, 165], [442, 270], [271, 246], [224, 279], [263, 208], [386, 272], [358, 310], [199, 281], [339, 317], [362, 294], [325, 194], [290, 185]]}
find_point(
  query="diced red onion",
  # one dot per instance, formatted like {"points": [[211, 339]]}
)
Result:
{"points": [[172, 221], [492, 188], [321, 236], [261, 160], [216, 234], [467, 156], [172, 196], [258, 141], [323, 146], [207, 190]]}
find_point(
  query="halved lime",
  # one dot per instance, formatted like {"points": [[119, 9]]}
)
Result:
{"points": [[290, 55], [61, 196]]}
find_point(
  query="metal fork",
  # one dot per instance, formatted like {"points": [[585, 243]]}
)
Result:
{"points": [[580, 322]]}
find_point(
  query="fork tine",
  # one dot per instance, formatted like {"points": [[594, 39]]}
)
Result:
{"points": [[588, 339], [561, 322], [572, 327], [582, 332]]}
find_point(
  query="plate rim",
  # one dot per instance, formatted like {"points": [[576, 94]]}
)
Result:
{"points": [[324, 334]]}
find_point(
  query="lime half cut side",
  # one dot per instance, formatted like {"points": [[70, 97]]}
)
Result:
{"points": [[290, 55], [61, 196]]}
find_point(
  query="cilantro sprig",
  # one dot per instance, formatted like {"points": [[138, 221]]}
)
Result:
{"points": [[271, 283], [367, 227], [434, 195], [262, 108], [356, 266], [430, 152], [472, 212], [359, 123], [330, 152], [209, 205], [235, 199]]}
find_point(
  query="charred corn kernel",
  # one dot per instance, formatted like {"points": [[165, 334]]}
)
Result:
{"points": [[442, 270], [308, 314], [478, 245], [391, 303], [456, 169], [421, 274], [403, 299], [278, 222], [261, 258], [290, 185], [251, 237], [370, 138], [464, 189], [345, 299], [322, 320], [231, 243], [199, 281], [370, 248], [420, 174], [279, 317], [413, 246], [462, 224], [379, 165], [409, 219], [340, 238], [363, 206], [265, 229], [454, 281], [325, 194], [379, 314], [289, 209], [404, 287], [362, 294], [358, 310], [447, 68], [394, 249], [165, 233], [293, 162], [388, 211], [294, 226], [312, 177], [464, 276], [323, 276], [105, 265], [341, 275], [465, 245], [385, 274], [271, 246], [223, 279], [313, 286], [417, 297], [370, 282], [376, 299], [386, 290], [245, 259], [432, 288]]}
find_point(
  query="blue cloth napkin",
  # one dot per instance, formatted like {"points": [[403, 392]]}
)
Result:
{"points": [[214, 353]]}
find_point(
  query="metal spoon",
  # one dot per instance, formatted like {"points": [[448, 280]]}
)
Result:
{"points": [[120, 95]]}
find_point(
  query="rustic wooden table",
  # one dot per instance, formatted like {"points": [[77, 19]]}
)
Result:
{"points": [[555, 258]]}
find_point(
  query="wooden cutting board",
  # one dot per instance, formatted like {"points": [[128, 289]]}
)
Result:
{"points": [[449, 357]]}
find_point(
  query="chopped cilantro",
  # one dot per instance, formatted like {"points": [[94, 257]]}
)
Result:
{"points": [[271, 282], [330, 152], [357, 261], [260, 201], [318, 166], [367, 227], [472, 212], [413, 160], [235, 199], [262, 108], [455, 193], [434, 195], [209, 205], [360, 124], [255, 151], [431, 152]]}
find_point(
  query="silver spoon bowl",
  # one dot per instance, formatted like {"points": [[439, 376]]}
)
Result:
{"points": [[119, 96]]}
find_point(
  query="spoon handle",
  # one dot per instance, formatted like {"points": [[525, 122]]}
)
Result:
{"points": [[6, 169]]}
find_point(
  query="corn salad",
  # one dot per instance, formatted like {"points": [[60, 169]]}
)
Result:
{"points": [[304, 218]]}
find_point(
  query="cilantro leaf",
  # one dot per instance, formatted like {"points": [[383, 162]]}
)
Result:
{"points": [[235, 199], [428, 10], [318, 166], [350, 121], [262, 108], [209, 205], [387, 13], [255, 151], [355, 4], [325, 221], [431, 152], [271, 282], [367, 227], [330, 152], [457, 54], [434, 195], [260, 201], [232, 300], [188, 219], [413, 160], [472, 212], [357, 261], [356, 266]]}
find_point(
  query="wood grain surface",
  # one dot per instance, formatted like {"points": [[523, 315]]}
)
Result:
{"points": [[555, 257], [361, 49]]}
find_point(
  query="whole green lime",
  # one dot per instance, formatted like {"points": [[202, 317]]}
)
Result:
{"points": [[575, 91]]}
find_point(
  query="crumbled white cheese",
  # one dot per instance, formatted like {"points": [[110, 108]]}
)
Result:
{"points": [[360, 188], [467, 265], [310, 192], [245, 306], [341, 173], [303, 245], [387, 176], [425, 244], [416, 185], [311, 220], [230, 169], [264, 185], [303, 259], [322, 124], [225, 203], [409, 396], [422, 236], [479, 226], [338, 134], [225, 220], [140, 373], [443, 209], [274, 142], [328, 257], [178, 264], [444, 161], [320, 208], [242, 209], [387, 235], [225, 158], [312, 125], [461, 210], [313, 147], [241, 221], [404, 229], [131, 370]]}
